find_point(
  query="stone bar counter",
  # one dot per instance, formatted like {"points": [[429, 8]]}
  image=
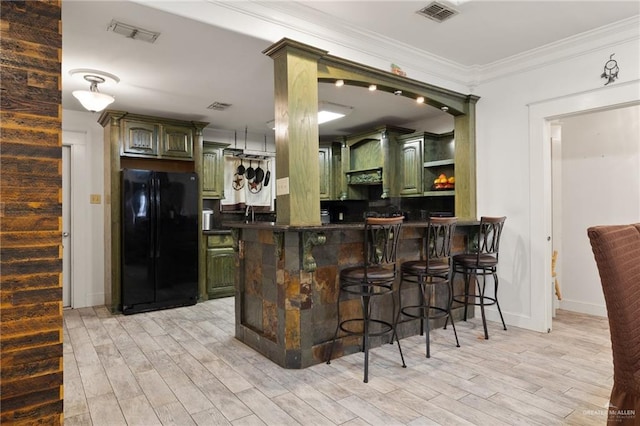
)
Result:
{"points": [[287, 285]]}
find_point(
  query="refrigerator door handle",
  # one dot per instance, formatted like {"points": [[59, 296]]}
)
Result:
{"points": [[152, 218], [158, 217]]}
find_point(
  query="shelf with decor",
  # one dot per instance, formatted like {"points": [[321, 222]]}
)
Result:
{"points": [[439, 165]]}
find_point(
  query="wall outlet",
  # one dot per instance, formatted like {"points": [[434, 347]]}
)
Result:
{"points": [[94, 199]]}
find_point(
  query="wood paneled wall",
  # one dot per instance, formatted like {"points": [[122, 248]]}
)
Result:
{"points": [[30, 213]]}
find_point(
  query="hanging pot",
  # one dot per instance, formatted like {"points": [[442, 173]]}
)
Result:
{"points": [[259, 173], [267, 176], [241, 169], [251, 173]]}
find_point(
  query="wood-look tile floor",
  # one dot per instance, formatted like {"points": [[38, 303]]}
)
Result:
{"points": [[184, 367]]}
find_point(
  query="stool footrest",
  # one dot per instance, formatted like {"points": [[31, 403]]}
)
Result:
{"points": [[440, 312], [387, 327], [462, 298]]}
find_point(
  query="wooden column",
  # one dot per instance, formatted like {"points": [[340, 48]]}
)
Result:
{"points": [[465, 159], [31, 213], [296, 119]]}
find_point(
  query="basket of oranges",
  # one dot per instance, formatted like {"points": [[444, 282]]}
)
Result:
{"points": [[443, 182]]}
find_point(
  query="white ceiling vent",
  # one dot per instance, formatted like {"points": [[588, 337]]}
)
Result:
{"points": [[219, 106], [438, 11]]}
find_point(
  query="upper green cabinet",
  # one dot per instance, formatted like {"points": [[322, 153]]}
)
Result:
{"points": [[213, 170], [330, 170], [149, 139], [176, 142], [409, 175], [140, 138], [367, 163]]}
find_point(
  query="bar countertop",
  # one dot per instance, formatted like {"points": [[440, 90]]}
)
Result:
{"points": [[330, 226]]}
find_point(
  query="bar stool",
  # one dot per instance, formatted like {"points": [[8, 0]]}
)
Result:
{"points": [[428, 274], [482, 261], [370, 282]]}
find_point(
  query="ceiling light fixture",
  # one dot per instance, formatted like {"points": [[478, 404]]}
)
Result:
{"points": [[92, 99], [339, 83], [328, 111], [372, 87], [420, 99]]}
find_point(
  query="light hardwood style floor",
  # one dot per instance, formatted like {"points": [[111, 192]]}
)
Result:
{"points": [[184, 367]]}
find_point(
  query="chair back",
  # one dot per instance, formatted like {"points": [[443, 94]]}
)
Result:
{"points": [[616, 249], [488, 237], [381, 240], [439, 240]]}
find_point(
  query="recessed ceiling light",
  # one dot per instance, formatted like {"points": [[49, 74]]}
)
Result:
{"points": [[420, 99], [339, 83], [372, 87]]}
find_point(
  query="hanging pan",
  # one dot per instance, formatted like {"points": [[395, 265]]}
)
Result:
{"points": [[240, 170], [259, 173], [251, 172], [267, 176]]}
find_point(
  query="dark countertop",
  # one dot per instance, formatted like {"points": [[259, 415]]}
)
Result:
{"points": [[217, 231], [328, 227]]}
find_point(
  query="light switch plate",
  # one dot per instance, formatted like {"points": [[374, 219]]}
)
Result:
{"points": [[282, 186], [95, 199]]}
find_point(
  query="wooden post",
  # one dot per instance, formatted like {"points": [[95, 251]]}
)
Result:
{"points": [[296, 119]]}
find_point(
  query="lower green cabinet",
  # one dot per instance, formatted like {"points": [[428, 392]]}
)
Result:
{"points": [[221, 266]]}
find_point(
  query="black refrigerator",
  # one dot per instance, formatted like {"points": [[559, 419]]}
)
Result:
{"points": [[159, 240]]}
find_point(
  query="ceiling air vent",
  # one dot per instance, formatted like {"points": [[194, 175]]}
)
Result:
{"points": [[438, 12], [219, 106]]}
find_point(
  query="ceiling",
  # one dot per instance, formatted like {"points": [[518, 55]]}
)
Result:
{"points": [[211, 51]]}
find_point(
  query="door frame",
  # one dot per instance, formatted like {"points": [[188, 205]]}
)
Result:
{"points": [[80, 229], [541, 115]]}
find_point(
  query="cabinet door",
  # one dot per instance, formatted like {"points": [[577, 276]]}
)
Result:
{"points": [[177, 142], [325, 173], [220, 272], [212, 172], [410, 162], [140, 139]]}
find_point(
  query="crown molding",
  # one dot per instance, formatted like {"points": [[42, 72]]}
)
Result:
{"points": [[614, 34], [294, 20]]}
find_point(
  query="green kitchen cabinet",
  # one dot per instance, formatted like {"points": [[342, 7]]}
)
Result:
{"points": [[213, 170], [221, 266], [330, 170], [176, 142], [149, 137], [409, 174]]}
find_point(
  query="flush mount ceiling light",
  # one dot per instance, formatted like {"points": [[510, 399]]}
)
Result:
{"points": [[420, 99], [339, 83], [328, 111], [133, 32], [372, 87], [92, 99]]}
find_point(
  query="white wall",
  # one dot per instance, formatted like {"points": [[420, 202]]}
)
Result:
{"points": [[83, 132], [600, 183], [511, 175]]}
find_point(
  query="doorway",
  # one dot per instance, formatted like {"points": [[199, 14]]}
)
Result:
{"points": [[541, 116], [66, 228], [595, 178]]}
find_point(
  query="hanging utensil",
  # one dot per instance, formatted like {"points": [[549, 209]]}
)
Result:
{"points": [[259, 173], [251, 173], [241, 169], [267, 176]]}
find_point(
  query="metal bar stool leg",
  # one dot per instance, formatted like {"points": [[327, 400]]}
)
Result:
{"points": [[481, 297], [495, 279]]}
